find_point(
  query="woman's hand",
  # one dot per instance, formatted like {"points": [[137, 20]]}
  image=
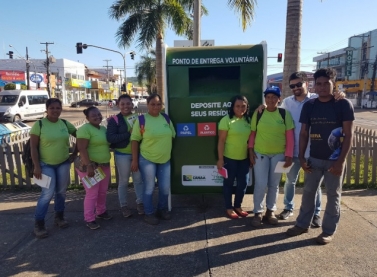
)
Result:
{"points": [[134, 166], [220, 164], [37, 171], [90, 170], [288, 161], [253, 157]]}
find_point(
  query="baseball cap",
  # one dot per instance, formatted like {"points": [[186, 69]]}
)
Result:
{"points": [[273, 90]]}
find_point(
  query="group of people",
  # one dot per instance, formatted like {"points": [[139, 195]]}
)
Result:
{"points": [[308, 131], [142, 147]]}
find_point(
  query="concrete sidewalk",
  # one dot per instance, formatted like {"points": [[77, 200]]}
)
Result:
{"points": [[198, 241]]}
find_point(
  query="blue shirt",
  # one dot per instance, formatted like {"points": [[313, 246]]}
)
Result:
{"points": [[294, 107]]}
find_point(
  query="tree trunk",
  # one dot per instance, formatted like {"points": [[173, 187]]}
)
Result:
{"points": [[292, 43], [159, 68]]}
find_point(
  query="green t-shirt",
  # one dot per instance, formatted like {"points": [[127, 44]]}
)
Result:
{"points": [[236, 140], [270, 137], [53, 140], [156, 141], [130, 120], [98, 147]]}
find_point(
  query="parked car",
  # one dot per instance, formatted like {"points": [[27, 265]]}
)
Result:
{"points": [[84, 103]]}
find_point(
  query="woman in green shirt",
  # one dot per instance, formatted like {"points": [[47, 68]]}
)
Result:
{"points": [[154, 137], [49, 145], [234, 131], [94, 152]]}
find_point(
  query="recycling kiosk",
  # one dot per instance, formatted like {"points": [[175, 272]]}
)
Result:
{"points": [[200, 83]]}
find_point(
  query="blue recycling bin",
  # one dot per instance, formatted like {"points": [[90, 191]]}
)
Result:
{"points": [[4, 134]]}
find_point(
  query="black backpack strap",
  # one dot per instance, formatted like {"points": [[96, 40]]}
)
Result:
{"points": [[259, 115], [282, 114]]}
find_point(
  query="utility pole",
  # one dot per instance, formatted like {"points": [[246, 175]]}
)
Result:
{"points": [[107, 68], [48, 67], [373, 75], [120, 82], [27, 69], [197, 15]]}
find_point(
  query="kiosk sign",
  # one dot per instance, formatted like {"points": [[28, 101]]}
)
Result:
{"points": [[186, 130], [201, 82], [206, 129]]}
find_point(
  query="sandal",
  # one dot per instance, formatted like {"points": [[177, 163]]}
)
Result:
{"points": [[240, 212], [231, 214]]}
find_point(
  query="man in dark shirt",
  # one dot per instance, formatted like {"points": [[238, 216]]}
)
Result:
{"points": [[330, 126]]}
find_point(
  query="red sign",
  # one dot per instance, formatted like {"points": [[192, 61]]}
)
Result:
{"points": [[11, 76], [207, 129]]}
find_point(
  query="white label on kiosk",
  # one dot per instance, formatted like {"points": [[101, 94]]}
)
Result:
{"points": [[201, 175]]}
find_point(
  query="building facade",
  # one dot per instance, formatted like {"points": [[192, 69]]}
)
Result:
{"points": [[356, 67]]}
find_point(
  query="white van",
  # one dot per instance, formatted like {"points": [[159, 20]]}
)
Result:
{"points": [[16, 105]]}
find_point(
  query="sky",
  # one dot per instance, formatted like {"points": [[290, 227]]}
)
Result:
{"points": [[326, 26]]}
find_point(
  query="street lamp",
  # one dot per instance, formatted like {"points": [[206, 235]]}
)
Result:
{"points": [[80, 46]]}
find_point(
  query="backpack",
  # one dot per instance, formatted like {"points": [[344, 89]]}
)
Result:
{"points": [[281, 111], [142, 121], [116, 119], [26, 154]]}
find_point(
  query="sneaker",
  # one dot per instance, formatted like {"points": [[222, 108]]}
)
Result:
{"points": [[316, 221], [104, 216], [257, 220], [163, 214], [40, 230], [324, 238], [140, 208], [126, 212], [296, 231], [271, 218], [285, 214], [92, 225], [151, 219]]}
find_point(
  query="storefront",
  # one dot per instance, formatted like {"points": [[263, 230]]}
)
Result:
{"points": [[76, 89], [11, 76]]}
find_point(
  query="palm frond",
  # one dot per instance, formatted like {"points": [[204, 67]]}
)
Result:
{"points": [[245, 8]]}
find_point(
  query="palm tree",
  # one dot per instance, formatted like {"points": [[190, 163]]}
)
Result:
{"points": [[292, 42], [146, 70], [149, 19]]}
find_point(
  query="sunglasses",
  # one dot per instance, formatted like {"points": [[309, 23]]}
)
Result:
{"points": [[299, 85]]}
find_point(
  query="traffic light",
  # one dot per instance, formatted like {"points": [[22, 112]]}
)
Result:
{"points": [[280, 57], [10, 54], [132, 55], [79, 48], [123, 87]]}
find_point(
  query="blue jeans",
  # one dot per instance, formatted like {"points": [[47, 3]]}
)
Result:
{"points": [[123, 164], [289, 188], [333, 186], [239, 170], [266, 178], [149, 172], [59, 182]]}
